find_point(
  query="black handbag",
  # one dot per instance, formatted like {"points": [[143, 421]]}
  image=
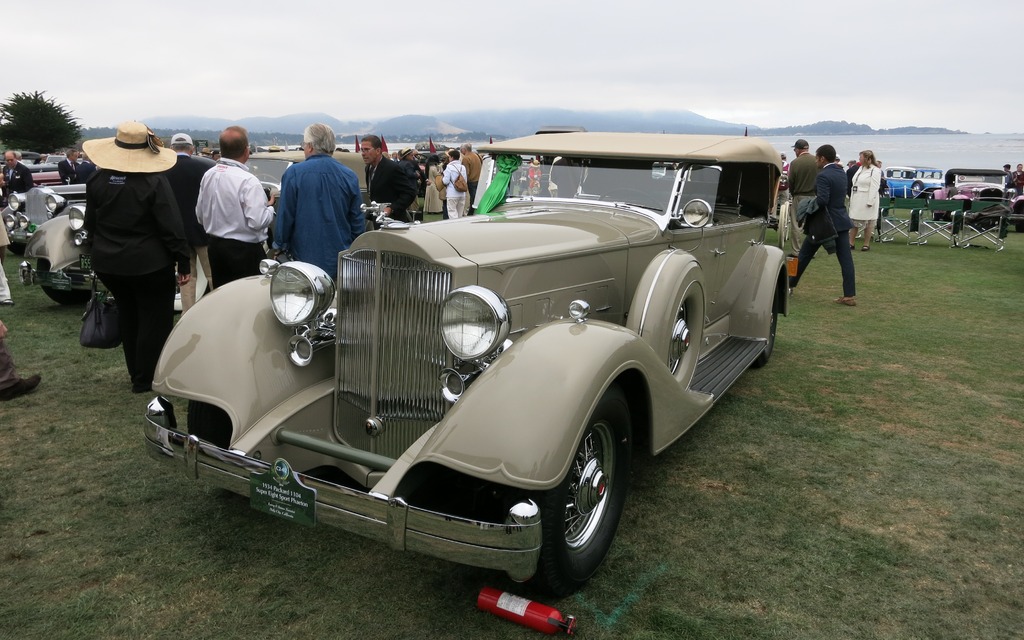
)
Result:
{"points": [[100, 327]]}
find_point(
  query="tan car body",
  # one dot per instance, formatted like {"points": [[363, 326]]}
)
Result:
{"points": [[520, 422], [353, 161]]}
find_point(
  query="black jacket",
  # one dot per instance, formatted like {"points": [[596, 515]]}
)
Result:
{"points": [[185, 177], [134, 224], [817, 224], [19, 179], [85, 171], [391, 183], [68, 172]]}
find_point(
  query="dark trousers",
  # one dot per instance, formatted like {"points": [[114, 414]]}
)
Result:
{"points": [[843, 253], [145, 306], [470, 210], [233, 259]]}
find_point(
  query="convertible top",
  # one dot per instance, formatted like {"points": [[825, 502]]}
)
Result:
{"points": [[353, 161], [952, 173], [641, 146]]}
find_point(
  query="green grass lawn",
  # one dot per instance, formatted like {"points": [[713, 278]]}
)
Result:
{"points": [[867, 483]]}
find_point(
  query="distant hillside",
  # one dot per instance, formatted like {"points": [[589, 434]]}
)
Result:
{"points": [[497, 124], [521, 122], [293, 124], [417, 126], [842, 127], [475, 124]]}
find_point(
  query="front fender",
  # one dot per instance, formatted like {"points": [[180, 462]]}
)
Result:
{"points": [[520, 422], [53, 241], [230, 351]]}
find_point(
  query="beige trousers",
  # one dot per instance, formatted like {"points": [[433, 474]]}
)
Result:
{"points": [[188, 290]]}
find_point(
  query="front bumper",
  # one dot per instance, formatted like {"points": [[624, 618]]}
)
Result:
{"points": [[513, 546], [63, 280]]}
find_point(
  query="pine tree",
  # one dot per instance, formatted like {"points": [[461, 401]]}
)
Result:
{"points": [[33, 122]]}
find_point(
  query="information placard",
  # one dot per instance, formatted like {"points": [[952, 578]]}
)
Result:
{"points": [[279, 493]]}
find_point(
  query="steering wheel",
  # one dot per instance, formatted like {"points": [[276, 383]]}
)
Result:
{"points": [[270, 188]]}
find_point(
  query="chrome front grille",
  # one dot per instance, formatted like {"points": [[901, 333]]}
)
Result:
{"points": [[390, 350]]}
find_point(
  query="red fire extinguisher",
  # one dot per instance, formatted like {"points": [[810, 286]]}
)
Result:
{"points": [[526, 612]]}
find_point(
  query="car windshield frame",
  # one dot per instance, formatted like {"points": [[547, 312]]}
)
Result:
{"points": [[266, 169], [656, 188]]}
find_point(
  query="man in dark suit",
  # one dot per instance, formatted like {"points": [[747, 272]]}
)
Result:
{"points": [[386, 180], [185, 177], [830, 192], [85, 168], [17, 177], [68, 168]]}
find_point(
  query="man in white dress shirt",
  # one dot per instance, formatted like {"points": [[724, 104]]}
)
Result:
{"points": [[233, 209]]}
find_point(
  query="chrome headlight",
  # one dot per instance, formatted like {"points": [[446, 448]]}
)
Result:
{"points": [[10, 221], [76, 216], [15, 201], [474, 322], [54, 203], [299, 292], [696, 213]]}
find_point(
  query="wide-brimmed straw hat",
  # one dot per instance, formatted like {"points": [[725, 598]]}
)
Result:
{"points": [[135, 149]]}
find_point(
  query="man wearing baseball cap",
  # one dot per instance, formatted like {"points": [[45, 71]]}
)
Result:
{"points": [[185, 177], [802, 173]]}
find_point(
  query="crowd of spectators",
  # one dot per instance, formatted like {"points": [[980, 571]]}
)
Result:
{"points": [[155, 215]]}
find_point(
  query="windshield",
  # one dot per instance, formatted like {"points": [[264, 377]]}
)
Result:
{"points": [[998, 180], [743, 190], [642, 183], [268, 169]]}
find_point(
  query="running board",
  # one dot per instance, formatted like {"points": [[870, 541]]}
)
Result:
{"points": [[719, 369]]}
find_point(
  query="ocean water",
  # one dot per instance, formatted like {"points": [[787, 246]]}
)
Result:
{"points": [[945, 151]]}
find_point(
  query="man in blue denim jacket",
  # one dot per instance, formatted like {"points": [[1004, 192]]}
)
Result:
{"points": [[318, 210]]}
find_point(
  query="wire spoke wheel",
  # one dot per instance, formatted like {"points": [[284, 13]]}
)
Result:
{"points": [[580, 515]]}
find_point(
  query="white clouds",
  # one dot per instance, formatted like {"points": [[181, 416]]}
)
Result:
{"points": [[879, 63]]}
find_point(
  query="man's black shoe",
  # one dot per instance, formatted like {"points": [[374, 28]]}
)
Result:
{"points": [[20, 388]]}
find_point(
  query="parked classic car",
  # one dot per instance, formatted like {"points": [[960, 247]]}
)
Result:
{"points": [[60, 267], [44, 174], [911, 182], [973, 184], [60, 251], [472, 389], [25, 212], [269, 166]]}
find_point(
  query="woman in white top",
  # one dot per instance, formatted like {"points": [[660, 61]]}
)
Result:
{"points": [[864, 199]]}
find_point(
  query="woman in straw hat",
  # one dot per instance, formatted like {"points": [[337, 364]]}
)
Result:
{"points": [[137, 240]]}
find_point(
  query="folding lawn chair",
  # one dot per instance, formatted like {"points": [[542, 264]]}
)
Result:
{"points": [[890, 224], [986, 221], [935, 219], [884, 211]]}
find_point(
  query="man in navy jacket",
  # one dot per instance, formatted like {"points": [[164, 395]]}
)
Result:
{"points": [[185, 177], [830, 187]]}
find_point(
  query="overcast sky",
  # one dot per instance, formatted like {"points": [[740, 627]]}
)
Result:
{"points": [[769, 64]]}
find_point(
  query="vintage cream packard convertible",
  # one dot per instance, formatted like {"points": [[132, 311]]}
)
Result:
{"points": [[472, 389]]}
